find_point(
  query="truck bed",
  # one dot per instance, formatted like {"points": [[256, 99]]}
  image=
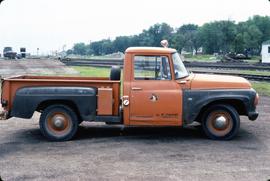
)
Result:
{"points": [[12, 84]]}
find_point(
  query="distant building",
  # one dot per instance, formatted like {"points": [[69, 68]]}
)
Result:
{"points": [[23, 52], [266, 52]]}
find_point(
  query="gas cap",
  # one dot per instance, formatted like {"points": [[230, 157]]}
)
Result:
{"points": [[126, 102]]}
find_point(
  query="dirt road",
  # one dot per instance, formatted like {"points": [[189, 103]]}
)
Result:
{"points": [[102, 152]]}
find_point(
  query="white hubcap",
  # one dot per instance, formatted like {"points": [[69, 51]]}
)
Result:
{"points": [[220, 122]]}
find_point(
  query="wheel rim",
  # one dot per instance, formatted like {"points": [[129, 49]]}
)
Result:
{"points": [[219, 123], [58, 124]]}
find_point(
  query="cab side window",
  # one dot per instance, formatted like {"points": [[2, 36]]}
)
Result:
{"points": [[151, 68]]}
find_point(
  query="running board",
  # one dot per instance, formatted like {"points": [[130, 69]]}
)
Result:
{"points": [[109, 119]]}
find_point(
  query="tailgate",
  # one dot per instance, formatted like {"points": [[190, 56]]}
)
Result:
{"points": [[3, 112]]}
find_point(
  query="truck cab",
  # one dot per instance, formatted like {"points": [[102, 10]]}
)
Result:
{"points": [[157, 91]]}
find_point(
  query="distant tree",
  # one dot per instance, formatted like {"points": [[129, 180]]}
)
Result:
{"points": [[89, 51], [238, 42], [217, 36], [260, 25], [189, 36], [135, 40], [252, 39], [79, 49], [69, 52], [121, 43], [96, 47], [101, 47], [263, 24], [178, 42], [196, 41], [228, 30], [155, 34], [211, 37], [107, 47]]}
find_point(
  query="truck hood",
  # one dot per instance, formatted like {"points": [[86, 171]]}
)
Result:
{"points": [[207, 81]]}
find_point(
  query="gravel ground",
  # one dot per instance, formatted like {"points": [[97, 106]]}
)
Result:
{"points": [[101, 152], [34, 67]]}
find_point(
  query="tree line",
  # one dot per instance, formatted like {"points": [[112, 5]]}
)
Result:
{"points": [[213, 37]]}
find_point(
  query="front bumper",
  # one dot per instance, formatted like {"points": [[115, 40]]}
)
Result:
{"points": [[3, 113], [253, 115]]}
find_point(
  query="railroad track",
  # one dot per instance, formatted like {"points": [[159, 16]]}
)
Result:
{"points": [[231, 66], [211, 66]]}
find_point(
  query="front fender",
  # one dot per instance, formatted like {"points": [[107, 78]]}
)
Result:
{"points": [[195, 100]]}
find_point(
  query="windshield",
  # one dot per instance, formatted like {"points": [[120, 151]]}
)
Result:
{"points": [[180, 70]]}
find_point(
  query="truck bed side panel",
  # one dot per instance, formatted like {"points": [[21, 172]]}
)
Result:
{"points": [[11, 85]]}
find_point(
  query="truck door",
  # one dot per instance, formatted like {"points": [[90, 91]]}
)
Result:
{"points": [[155, 99]]}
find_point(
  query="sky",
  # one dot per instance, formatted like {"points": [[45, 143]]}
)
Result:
{"points": [[52, 25]]}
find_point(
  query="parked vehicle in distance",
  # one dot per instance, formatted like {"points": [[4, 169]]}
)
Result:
{"points": [[157, 91], [8, 53]]}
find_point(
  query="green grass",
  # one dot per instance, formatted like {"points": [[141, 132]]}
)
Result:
{"points": [[96, 72], [92, 71], [254, 72], [263, 88], [254, 59]]}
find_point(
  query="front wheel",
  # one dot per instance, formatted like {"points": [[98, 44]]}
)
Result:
{"points": [[221, 122], [58, 123]]}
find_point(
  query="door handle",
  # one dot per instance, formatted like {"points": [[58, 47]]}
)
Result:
{"points": [[183, 81], [136, 88]]}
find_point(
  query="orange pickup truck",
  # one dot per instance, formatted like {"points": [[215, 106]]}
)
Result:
{"points": [[157, 91]]}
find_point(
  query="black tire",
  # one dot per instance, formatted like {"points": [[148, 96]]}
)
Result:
{"points": [[58, 123], [228, 126]]}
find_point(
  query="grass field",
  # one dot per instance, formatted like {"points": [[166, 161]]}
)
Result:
{"points": [[254, 72], [263, 88], [92, 71]]}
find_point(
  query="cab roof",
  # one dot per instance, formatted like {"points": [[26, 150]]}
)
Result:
{"points": [[150, 50]]}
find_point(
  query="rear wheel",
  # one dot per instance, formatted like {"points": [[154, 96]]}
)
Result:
{"points": [[221, 122], [58, 123]]}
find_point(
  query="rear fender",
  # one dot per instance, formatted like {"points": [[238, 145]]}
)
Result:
{"points": [[28, 99]]}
